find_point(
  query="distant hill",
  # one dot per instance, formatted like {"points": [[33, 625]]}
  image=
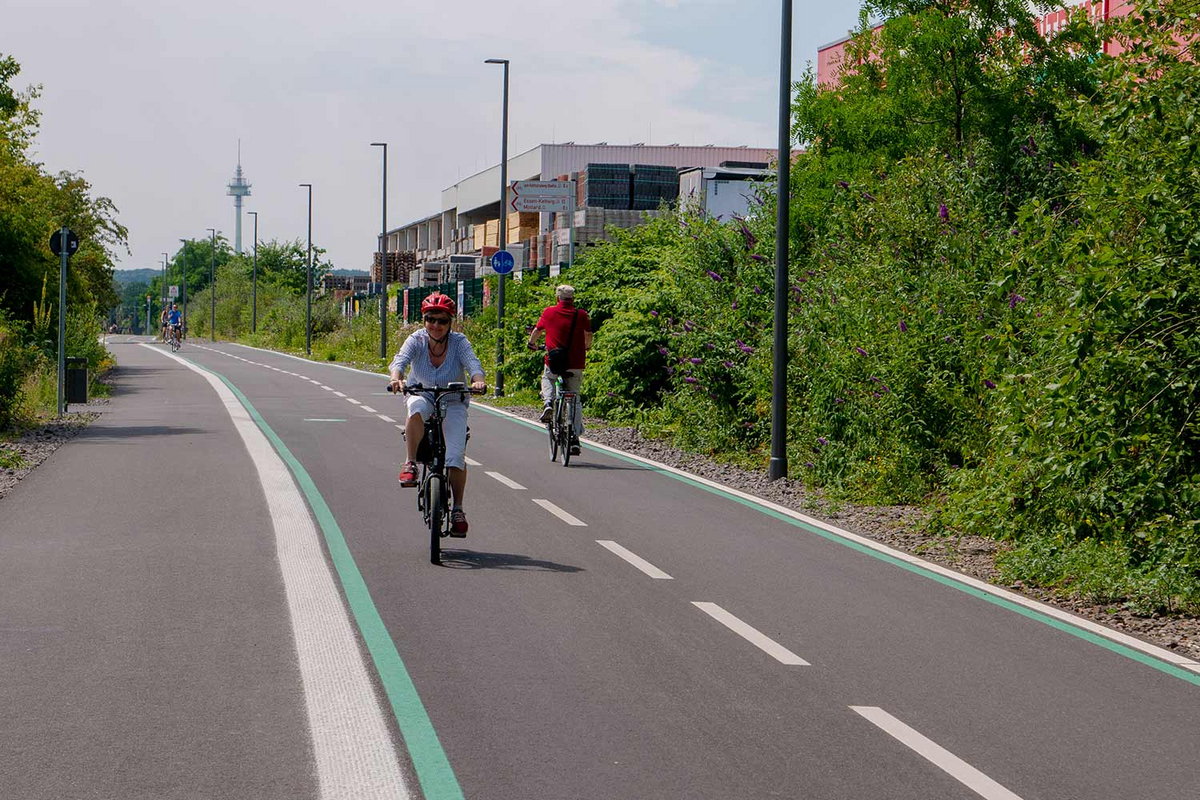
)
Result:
{"points": [[135, 275]]}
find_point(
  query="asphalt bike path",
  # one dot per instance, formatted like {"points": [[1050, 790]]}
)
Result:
{"points": [[555, 657], [145, 650]]}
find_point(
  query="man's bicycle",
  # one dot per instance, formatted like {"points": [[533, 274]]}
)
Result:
{"points": [[174, 342], [561, 427], [433, 487]]}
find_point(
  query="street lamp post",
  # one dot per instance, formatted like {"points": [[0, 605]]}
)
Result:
{"points": [[212, 287], [383, 261], [777, 467], [503, 236], [164, 281], [308, 307], [254, 279], [183, 288]]}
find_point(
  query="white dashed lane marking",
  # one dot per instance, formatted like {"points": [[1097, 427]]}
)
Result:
{"points": [[509, 482], [384, 417], [637, 561], [558, 512], [937, 755], [752, 635], [470, 461], [369, 409]]}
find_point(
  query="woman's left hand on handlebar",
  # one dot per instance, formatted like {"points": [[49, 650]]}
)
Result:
{"points": [[478, 386]]}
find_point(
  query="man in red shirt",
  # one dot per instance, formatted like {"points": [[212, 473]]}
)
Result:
{"points": [[556, 321]]}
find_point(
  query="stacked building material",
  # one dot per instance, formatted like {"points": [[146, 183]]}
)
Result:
{"points": [[606, 186], [521, 226], [461, 268], [432, 273], [652, 186], [399, 265]]}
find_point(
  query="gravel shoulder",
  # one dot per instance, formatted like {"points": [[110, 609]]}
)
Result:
{"points": [[899, 527]]}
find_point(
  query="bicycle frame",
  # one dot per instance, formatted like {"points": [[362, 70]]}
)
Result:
{"points": [[433, 488]]}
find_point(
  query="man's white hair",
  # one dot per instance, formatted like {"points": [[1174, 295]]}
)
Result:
{"points": [[565, 291]]}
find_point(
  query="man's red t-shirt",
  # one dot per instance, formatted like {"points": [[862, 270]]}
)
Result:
{"points": [[556, 322]]}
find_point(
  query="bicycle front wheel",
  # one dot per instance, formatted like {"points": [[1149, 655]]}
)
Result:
{"points": [[552, 429], [435, 507]]}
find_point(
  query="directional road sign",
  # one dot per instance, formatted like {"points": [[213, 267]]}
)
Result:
{"points": [[542, 196], [503, 262]]}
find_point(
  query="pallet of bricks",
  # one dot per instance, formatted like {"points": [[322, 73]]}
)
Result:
{"points": [[652, 186], [461, 268], [604, 186]]}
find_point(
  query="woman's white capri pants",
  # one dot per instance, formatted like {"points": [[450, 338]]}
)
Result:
{"points": [[454, 425]]}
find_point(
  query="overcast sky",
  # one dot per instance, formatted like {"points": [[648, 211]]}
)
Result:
{"points": [[149, 99]]}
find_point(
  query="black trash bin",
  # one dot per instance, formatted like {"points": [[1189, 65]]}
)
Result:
{"points": [[77, 380]]}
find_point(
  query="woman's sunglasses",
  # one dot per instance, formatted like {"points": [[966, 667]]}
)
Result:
{"points": [[438, 320]]}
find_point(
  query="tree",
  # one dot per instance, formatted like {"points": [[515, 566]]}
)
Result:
{"points": [[286, 264], [34, 203]]}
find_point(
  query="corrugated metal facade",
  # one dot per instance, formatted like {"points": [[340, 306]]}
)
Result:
{"points": [[563, 159]]}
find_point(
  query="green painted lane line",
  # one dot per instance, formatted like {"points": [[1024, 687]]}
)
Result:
{"points": [[1037, 616], [429, 760]]}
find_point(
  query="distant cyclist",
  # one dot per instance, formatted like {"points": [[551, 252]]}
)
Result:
{"points": [[175, 321], [162, 321], [437, 356], [562, 322]]}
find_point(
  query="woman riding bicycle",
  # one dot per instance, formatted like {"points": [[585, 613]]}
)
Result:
{"points": [[437, 356]]}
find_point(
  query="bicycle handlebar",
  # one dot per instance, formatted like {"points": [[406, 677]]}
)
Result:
{"points": [[438, 391]]}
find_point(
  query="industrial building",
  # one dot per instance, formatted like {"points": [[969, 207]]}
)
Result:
{"points": [[615, 185]]}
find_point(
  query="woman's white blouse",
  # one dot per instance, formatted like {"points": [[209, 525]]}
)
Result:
{"points": [[459, 365]]}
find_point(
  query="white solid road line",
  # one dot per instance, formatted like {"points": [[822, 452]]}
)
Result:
{"points": [[563, 515], [633, 558], [471, 462], [954, 766], [353, 753], [368, 409], [384, 417], [509, 482], [755, 637]]}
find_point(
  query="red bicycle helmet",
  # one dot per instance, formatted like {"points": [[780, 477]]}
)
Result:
{"points": [[439, 302]]}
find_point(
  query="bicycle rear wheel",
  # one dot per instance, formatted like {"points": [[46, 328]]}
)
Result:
{"points": [[435, 506], [552, 429], [565, 429]]}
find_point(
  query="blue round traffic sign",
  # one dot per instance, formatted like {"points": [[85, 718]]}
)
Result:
{"points": [[503, 262]]}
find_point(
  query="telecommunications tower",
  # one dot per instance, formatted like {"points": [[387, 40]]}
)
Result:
{"points": [[238, 188]]}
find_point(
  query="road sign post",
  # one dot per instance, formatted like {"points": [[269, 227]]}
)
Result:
{"points": [[556, 197], [63, 243]]}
